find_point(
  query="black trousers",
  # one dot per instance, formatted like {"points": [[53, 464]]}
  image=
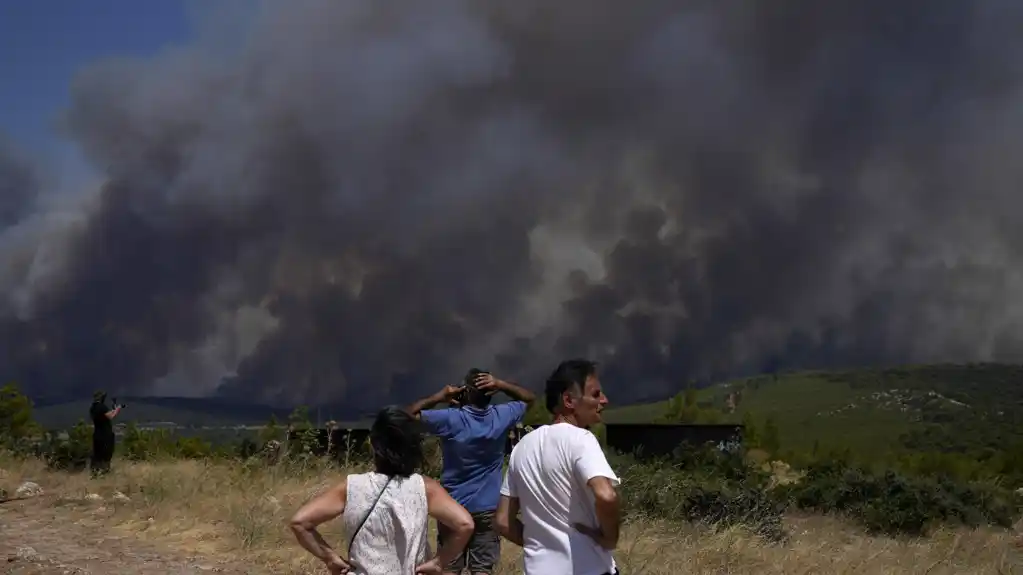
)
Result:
{"points": [[102, 452]]}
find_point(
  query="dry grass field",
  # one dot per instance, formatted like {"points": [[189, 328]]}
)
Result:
{"points": [[196, 517]]}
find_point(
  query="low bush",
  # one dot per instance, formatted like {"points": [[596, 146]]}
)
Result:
{"points": [[149, 444], [894, 504], [706, 487], [66, 451], [246, 448]]}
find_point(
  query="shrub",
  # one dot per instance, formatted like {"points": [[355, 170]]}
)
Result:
{"points": [[68, 451], [891, 503], [305, 443], [148, 444], [305, 440], [703, 486], [18, 431], [191, 448], [246, 448], [710, 461]]}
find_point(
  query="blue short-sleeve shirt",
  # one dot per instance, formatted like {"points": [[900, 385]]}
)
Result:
{"points": [[472, 442]]}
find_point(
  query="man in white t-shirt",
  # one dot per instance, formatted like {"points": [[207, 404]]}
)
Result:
{"points": [[560, 480]]}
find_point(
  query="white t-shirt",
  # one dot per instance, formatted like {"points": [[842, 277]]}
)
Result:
{"points": [[548, 472]]}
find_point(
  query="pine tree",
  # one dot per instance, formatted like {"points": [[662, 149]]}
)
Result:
{"points": [[16, 423]]}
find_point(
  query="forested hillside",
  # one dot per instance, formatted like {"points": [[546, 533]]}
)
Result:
{"points": [[951, 408], [971, 411]]}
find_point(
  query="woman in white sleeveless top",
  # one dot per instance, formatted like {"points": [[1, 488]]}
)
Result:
{"points": [[385, 512]]}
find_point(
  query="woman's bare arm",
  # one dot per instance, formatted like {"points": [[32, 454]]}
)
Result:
{"points": [[448, 512], [322, 508]]}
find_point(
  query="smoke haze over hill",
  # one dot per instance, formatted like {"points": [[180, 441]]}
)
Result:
{"points": [[356, 201]]}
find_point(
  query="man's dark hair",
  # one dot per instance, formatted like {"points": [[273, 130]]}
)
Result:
{"points": [[397, 442], [570, 374], [473, 396]]}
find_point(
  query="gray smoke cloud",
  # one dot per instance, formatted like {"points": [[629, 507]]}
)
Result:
{"points": [[354, 201]]}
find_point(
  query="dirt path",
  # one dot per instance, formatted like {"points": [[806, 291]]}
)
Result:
{"points": [[35, 539]]}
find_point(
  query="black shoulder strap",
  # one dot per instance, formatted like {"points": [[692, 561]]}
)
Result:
{"points": [[368, 513]]}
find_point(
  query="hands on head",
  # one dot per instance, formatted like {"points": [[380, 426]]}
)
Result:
{"points": [[453, 394], [488, 383], [485, 382]]}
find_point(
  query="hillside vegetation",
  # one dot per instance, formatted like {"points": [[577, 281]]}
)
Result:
{"points": [[737, 511], [962, 419], [181, 411], [973, 409]]}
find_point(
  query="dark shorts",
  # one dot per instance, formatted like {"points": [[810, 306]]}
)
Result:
{"points": [[484, 548]]}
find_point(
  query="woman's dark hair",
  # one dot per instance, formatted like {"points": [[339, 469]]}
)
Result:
{"points": [[397, 441]]}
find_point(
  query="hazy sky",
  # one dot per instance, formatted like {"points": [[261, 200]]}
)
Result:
{"points": [[44, 42]]}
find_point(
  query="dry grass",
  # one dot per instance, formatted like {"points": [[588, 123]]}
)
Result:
{"points": [[232, 511]]}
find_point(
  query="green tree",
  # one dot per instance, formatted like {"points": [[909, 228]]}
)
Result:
{"points": [[16, 423]]}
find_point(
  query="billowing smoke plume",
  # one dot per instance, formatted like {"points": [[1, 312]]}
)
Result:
{"points": [[358, 200]]}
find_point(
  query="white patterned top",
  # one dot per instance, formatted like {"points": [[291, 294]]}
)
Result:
{"points": [[393, 541]]}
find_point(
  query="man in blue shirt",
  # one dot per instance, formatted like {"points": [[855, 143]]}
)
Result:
{"points": [[473, 435]]}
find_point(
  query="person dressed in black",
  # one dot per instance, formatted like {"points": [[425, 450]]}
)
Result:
{"points": [[102, 432]]}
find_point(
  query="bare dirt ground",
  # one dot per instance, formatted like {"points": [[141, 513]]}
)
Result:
{"points": [[198, 517], [37, 538]]}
